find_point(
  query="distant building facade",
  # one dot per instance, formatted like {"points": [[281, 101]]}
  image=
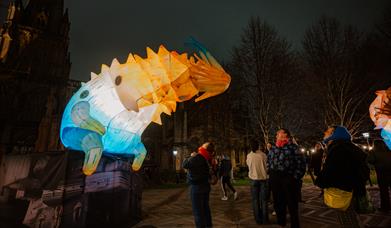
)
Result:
{"points": [[34, 76]]}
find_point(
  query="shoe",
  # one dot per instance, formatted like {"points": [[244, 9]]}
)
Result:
{"points": [[235, 195], [224, 198]]}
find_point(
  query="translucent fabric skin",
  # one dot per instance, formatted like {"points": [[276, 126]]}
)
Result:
{"points": [[380, 113], [109, 113]]}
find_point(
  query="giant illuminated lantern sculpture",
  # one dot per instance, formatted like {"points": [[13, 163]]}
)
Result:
{"points": [[109, 113], [380, 113]]}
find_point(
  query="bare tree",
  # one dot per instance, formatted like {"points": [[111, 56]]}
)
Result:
{"points": [[381, 48], [213, 119], [263, 62], [332, 54], [384, 27]]}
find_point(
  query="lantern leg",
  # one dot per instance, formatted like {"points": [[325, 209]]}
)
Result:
{"points": [[93, 149], [139, 155]]}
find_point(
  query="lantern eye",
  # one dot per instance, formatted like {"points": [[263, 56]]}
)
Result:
{"points": [[84, 94], [118, 80]]}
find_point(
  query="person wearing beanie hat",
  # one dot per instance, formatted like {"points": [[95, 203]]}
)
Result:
{"points": [[337, 133], [345, 168]]}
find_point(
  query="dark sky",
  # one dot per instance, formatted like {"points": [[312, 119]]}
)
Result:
{"points": [[102, 29]]}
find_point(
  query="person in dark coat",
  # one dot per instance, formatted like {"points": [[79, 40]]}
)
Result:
{"points": [[380, 157], [345, 168], [224, 170], [316, 159], [286, 165], [199, 166], [316, 162]]}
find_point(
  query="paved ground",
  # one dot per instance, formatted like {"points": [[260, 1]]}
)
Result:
{"points": [[171, 208]]}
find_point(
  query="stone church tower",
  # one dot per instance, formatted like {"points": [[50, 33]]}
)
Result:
{"points": [[34, 75]]}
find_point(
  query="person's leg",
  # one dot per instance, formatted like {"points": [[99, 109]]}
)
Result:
{"points": [[269, 192], [279, 200], [310, 172], [229, 184], [222, 184], [255, 200], [384, 182], [208, 215], [292, 196], [299, 186], [264, 201], [197, 204]]}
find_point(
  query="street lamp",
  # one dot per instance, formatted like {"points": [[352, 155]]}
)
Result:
{"points": [[366, 135], [176, 165], [364, 147]]}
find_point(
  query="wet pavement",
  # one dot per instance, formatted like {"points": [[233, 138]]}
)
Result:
{"points": [[172, 208]]}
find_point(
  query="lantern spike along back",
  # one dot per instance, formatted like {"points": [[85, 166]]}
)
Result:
{"points": [[109, 113], [380, 113]]}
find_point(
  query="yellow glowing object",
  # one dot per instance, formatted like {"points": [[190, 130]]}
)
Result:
{"points": [[109, 113], [337, 198]]}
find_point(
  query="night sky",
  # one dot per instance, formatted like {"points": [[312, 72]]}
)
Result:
{"points": [[102, 30]]}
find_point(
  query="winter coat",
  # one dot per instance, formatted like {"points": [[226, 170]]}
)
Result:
{"points": [[225, 168], [345, 167], [287, 159], [198, 170], [380, 157]]}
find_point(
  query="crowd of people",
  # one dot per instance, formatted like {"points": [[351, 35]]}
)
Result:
{"points": [[338, 166]]}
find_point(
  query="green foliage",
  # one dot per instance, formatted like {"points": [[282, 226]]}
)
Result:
{"points": [[241, 182], [241, 172]]}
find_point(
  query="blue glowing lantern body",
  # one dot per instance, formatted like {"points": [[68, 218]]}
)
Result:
{"points": [[95, 118]]}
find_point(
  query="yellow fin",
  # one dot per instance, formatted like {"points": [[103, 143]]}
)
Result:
{"points": [[143, 102], [130, 59], [93, 76], [104, 68], [157, 118], [115, 63], [150, 53]]}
